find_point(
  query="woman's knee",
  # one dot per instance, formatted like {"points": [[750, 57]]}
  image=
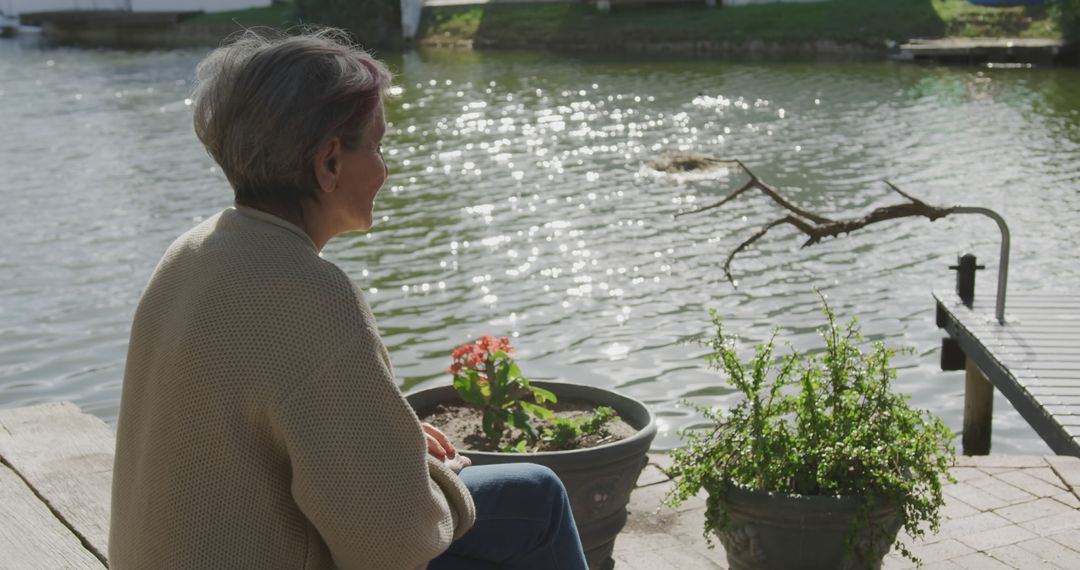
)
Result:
{"points": [[514, 480], [542, 482], [541, 479]]}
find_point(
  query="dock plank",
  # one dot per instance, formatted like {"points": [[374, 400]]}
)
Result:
{"points": [[1057, 400], [66, 456], [37, 539], [1064, 410], [1066, 346], [1022, 332], [1058, 362], [1038, 326], [1054, 390], [1061, 354], [1051, 383], [1043, 365], [1048, 314], [1047, 374], [1013, 299]]}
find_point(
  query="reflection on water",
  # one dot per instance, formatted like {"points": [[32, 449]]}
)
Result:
{"points": [[519, 205]]}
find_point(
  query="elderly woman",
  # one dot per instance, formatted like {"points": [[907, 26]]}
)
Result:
{"points": [[260, 425]]}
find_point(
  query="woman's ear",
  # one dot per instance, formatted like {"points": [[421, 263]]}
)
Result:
{"points": [[328, 164]]}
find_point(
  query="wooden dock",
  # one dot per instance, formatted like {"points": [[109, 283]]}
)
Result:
{"points": [[983, 50], [1033, 360], [1004, 511], [55, 483]]}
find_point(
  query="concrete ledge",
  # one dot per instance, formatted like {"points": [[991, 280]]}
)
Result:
{"points": [[1004, 511]]}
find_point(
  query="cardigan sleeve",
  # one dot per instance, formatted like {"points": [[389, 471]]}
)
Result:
{"points": [[360, 467]]}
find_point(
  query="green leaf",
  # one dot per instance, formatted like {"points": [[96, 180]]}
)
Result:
{"points": [[541, 395], [492, 424], [502, 374], [469, 389], [498, 389], [520, 447], [537, 410], [519, 419]]}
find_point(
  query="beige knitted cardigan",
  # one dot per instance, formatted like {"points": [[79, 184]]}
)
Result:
{"points": [[260, 425]]}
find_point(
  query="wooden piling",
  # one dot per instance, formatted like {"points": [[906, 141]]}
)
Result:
{"points": [[978, 411]]}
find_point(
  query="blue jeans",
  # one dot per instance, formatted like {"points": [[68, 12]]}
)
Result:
{"points": [[523, 520]]}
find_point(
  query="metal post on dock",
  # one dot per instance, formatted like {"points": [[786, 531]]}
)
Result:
{"points": [[1003, 260], [978, 391]]}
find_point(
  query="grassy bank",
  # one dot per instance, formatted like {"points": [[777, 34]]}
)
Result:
{"points": [[869, 22], [866, 22]]}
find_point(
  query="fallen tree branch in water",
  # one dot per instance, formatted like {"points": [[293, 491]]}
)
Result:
{"points": [[815, 226]]}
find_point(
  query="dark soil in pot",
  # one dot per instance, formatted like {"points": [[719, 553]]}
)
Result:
{"points": [[463, 425]]}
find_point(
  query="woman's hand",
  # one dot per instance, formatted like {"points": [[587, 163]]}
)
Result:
{"points": [[439, 447]]}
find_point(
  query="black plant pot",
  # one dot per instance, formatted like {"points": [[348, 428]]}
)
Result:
{"points": [[802, 532], [598, 480]]}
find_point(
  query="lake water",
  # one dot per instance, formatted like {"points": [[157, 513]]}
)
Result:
{"points": [[519, 205]]}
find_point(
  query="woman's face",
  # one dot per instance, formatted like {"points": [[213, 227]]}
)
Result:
{"points": [[363, 172]]}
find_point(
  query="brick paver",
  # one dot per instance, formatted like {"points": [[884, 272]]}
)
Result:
{"points": [[979, 561], [1053, 552], [1004, 511], [1014, 556]]}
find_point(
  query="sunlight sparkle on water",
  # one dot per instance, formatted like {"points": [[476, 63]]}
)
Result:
{"points": [[617, 351], [662, 427]]}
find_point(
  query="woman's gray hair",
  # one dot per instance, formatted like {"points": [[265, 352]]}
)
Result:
{"points": [[266, 101]]}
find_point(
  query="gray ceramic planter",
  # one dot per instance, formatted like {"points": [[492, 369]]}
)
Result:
{"points": [[599, 480], [798, 532]]}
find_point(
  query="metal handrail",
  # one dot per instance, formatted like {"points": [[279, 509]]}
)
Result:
{"points": [[1003, 262]]}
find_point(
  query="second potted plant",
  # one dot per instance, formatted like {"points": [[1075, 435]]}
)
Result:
{"points": [[820, 463]]}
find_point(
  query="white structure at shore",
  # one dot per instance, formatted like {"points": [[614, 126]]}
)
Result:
{"points": [[410, 17], [15, 7], [748, 2], [196, 5]]}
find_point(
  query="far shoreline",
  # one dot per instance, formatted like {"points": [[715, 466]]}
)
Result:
{"points": [[837, 30]]}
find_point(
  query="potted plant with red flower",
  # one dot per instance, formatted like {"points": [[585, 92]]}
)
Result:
{"points": [[595, 440]]}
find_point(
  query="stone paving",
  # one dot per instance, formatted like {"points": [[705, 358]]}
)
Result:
{"points": [[1004, 511]]}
